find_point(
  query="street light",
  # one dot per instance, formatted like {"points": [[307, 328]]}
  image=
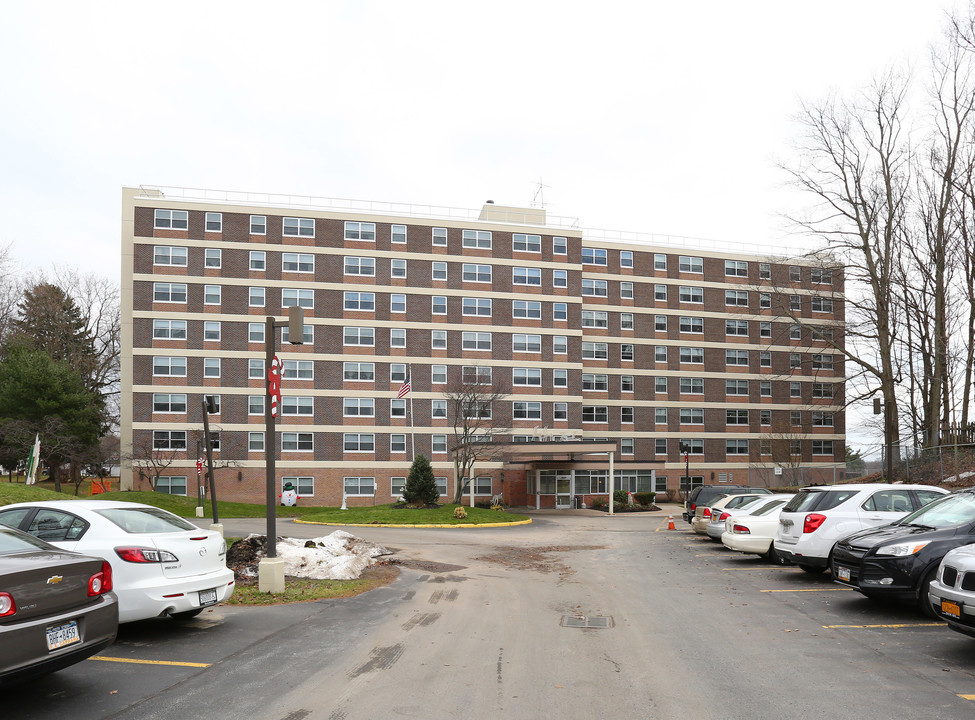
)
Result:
{"points": [[270, 570]]}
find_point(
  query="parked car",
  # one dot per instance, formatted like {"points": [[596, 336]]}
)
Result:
{"points": [[754, 530], [723, 509], [703, 494], [900, 560], [161, 564], [812, 522], [56, 608], [952, 592]]}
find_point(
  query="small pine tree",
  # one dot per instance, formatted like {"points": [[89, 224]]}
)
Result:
{"points": [[421, 486]]}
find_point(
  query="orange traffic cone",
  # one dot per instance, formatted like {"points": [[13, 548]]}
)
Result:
{"points": [[670, 523]]}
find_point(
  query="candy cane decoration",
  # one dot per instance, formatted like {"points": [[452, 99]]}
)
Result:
{"points": [[274, 385]]}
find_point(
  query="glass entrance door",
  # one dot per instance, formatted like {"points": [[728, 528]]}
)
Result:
{"points": [[563, 490]]}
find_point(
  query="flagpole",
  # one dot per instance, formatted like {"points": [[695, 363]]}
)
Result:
{"points": [[409, 376]]}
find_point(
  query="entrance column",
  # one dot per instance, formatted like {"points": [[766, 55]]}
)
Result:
{"points": [[612, 482]]}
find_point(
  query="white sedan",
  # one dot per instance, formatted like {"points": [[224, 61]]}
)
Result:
{"points": [[161, 564], [754, 531]]}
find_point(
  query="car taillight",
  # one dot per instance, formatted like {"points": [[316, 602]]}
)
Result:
{"points": [[100, 582], [740, 530], [812, 522], [724, 516], [693, 507], [7, 604], [144, 555], [707, 512]]}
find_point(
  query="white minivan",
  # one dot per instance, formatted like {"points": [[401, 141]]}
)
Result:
{"points": [[812, 522]]}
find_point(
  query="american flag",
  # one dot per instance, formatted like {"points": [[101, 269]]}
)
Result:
{"points": [[404, 389]]}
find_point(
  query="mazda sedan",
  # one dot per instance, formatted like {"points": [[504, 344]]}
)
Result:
{"points": [[56, 608], [162, 564], [900, 560]]}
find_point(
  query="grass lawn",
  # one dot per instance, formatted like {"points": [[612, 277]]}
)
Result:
{"points": [[388, 515], [305, 589]]}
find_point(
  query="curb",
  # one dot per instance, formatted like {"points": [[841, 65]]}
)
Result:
{"points": [[431, 525]]}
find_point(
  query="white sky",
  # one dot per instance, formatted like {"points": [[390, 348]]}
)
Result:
{"points": [[657, 116]]}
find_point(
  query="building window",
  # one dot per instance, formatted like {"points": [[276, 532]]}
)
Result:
{"points": [[397, 444], [171, 484], [626, 290], [822, 362], [362, 266], [298, 370], [736, 447], [560, 411], [438, 374], [255, 297], [170, 403], [211, 294], [795, 303], [293, 405], [795, 447], [559, 246], [626, 415], [397, 408], [660, 293], [293, 296], [626, 351], [765, 417], [438, 305], [660, 446], [595, 318], [478, 239], [691, 325], [298, 227], [560, 378], [593, 256], [598, 382], [211, 367], [688, 294], [626, 321], [560, 311], [526, 376], [795, 389], [692, 447], [795, 418], [212, 257], [692, 386], [171, 219], [822, 419], [736, 417], [359, 372], [297, 442], [438, 409], [822, 390], [660, 416], [359, 486], [365, 231], [397, 233], [526, 309], [255, 404], [169, 440], [691, 416], [480, 307], [526, 343], [476, 375], [439, 237], [307, 334], [397, 372], [169, 366], [735, 268], [169, 292], [765, 329], [258, 260], [476, 341], [258, 225], [164, 255], [765, 388], [298, 262], [659, 261], [690, 264], [659, 353], [211, 331], [626, 446], [737, 298], [595, 414], [526, 410], [560, 278], [255, 442], [795, 360], [438, 270], [765, 358], [363, 301], [822, 277], [359, 336], [736, 357], [255, 368], [660, 323], [169, 329], [764, 300], [594, 288], [438, 339], [822, 304], [438, 444], [482, 273], [736, 387], [822, 447], [626, 383], [764, 271], [692, 355], [626, 258], [560, 345], [397, 303], [526, 243], [736, 327], [795, 274]]}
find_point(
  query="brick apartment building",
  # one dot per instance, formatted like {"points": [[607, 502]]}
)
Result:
{"points": [[676, 359]]}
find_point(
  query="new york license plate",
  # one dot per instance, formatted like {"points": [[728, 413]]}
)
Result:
{"points": [[208, 597], [60, 635], [951, 609]]}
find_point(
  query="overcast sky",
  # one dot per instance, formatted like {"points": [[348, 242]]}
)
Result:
{"points": [[658, 117]]}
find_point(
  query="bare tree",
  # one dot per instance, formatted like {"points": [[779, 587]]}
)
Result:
{"points": [[473, 402], [150, 462]]}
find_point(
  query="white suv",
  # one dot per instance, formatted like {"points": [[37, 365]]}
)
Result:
{"points": [[812, 522]]}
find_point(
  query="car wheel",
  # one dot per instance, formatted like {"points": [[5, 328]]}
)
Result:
{"points": [[187, 615], [772, 556], [924, 605]]}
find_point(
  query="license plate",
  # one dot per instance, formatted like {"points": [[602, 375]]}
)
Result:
{"points": [[951, 609], [61, 635], [208, 597], [843, 573], [786, 524]]}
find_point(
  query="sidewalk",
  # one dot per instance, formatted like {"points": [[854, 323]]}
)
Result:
{"points": [[666, 509]]}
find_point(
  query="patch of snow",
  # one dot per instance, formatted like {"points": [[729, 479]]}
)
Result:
{"points": [[339, 556]]}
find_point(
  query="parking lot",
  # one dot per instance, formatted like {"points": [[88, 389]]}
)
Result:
{"points": [[696, 631]]}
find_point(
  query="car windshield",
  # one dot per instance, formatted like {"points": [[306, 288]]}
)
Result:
{"points": [[807, 500], [12, 541], [769, 507], [949, 511], [146, 520]]}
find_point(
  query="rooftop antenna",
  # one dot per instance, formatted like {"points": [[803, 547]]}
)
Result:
{"points": [[538, 200]]}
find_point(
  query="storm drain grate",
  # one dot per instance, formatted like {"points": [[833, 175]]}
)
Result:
{"points": [[598, 622]]}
